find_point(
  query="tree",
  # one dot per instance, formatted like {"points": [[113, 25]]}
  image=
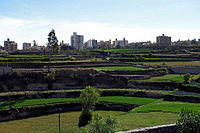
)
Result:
{"points": [[189, 122], [88, 98], [103, 125], [53, 42]]}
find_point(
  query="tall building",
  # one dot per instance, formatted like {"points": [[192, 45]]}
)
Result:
{"points": [[92, 44], [163, 40], [10, 46], [26, 46], [120, 43], [77, 41]]}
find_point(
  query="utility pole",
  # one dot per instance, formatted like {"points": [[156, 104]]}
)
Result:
{"points": [[59, 122]]}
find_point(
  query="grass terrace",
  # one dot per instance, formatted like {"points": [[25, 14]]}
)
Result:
{"points": [[151, 112], [165, 106], [128, 50], [121, 68], [112, 99], [167, 78]]}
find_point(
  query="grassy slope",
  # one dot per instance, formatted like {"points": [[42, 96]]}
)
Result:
{"points": [[121, 68], [69, 122], [115, 99]]}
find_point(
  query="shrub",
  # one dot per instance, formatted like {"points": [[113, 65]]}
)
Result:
{"points": [[50, 78], [187, 78], [103, 125], [85, 117], [88, 98], [189, 122]]}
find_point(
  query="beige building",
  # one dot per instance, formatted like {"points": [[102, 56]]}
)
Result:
{"points": [[10, 46], [26, 46], [163, 40]]}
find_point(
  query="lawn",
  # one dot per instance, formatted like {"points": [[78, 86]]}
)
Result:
{"points": [[121, 68], [169, 77], [166, 106], [114, 99], [69, 122], [128, 100]]}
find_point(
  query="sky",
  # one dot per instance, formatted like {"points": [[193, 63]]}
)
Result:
{"points": [[135, 20]]}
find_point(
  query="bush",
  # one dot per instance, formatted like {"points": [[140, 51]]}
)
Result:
{"points": [[189, 122], [187, 78], [103, 125], [88, 98], [85, 117]]}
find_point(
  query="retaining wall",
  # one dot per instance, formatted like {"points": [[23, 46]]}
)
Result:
{"points": [[156, 129]]}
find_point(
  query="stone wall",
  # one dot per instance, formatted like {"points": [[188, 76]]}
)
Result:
{"points": [[185, 69], [156, 129], [69, 78], [5, 70], [154, 85]]}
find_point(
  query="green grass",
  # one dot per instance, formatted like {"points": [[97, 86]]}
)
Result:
{"points": [[128, 50], [121, 68], [32, 102], [128, 100], [128, 75], [78, 90], [114, 99], [165, 106], [169, 77], [69, 122]]}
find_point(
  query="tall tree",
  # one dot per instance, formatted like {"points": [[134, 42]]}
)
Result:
{"points": [[52, 42]]}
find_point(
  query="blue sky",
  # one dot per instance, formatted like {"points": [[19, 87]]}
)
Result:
{"points": [[137, 20]]}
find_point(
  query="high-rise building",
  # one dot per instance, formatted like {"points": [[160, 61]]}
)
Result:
{"points": [[10, 46], [77, 41], [92, 44], [163, 40], [26, 46]]}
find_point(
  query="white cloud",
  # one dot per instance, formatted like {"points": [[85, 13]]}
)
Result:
{"points": [[21, 30]]}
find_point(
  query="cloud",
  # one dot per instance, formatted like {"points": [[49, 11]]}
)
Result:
{"points": [[21, 30]]}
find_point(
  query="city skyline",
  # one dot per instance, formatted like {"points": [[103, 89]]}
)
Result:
{"points": [[135, 20]]}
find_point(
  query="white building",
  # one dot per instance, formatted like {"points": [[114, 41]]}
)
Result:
{"points": [[77, 41], [26, 46], [92, 44]]}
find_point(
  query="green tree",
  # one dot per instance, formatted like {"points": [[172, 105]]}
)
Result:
{"points": [[89, 97], [103, 125], [189, 122]]}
